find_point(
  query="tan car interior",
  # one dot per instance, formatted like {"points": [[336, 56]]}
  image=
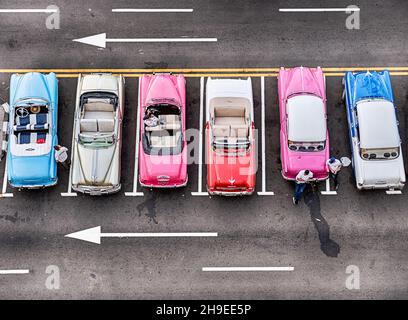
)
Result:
{"points": [[98, 117], [230, 122], [167, 133]]}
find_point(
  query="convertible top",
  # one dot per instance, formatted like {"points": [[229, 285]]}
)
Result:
{"points": [[306, 119], [378, 124]]}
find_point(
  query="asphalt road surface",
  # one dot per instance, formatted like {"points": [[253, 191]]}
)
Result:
{"points": [[320, 238]]}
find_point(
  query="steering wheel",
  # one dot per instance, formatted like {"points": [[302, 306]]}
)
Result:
{"points": [[22, 112]]}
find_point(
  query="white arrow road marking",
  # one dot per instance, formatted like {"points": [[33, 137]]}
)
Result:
{"points": [[152, 10], [94, 235], [319, 9], [15, 271], [100, 40], [234, 269], [28, 10]]}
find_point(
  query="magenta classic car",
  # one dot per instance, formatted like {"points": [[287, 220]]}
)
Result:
{"points": [[163, 148], [304, 138]]}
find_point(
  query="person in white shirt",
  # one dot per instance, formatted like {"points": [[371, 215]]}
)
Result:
{"points": [[302, 179], [150, 119], [61, 156], [334, 166]]}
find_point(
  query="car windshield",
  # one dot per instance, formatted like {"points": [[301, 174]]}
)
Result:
{"points": [[96, 141], [30, 102], [226, 146], [380, 154]]}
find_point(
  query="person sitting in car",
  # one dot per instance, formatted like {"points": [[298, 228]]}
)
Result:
{"points": [[150, 118]]}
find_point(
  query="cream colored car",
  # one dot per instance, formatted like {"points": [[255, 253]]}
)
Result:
{"points": [[97, 135]]}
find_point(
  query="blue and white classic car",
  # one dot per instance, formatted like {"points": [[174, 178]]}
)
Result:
{"points": [[32, 130], [373, 127]]}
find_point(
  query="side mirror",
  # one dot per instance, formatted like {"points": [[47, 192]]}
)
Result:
{"points": [[6, 107]]}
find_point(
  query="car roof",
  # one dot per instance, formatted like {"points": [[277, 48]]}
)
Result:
{"points": [[377, 124], [306, 118]]}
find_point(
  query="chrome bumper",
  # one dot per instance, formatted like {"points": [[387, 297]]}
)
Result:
{"points": [[97, 191], [174, 186]]}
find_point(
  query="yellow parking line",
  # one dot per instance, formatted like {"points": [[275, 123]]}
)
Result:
{"points": [[223, 75], [238, 70], [365, 69], [199, 70], [214, 75], [341, 74]]}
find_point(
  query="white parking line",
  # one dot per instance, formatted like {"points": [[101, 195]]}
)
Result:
{"points": [[393, 192], [328, 192], [263, 192], [319, 10], [134, 192], [28, 10], [4, 193], [69, 193], [200, 144], [15, 271], [152, 10], [246, 269]]}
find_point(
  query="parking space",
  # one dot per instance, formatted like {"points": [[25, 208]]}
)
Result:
{"points": [[265, 96], [266, 122]]}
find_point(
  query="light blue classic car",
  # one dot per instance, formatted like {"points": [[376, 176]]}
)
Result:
{"points": [[374, 133], [32, 130]]}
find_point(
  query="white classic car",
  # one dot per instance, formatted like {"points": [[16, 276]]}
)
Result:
{"points": [[97, 135]]}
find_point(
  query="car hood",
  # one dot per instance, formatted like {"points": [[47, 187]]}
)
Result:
{"points": [[30, 85], [302, 80], [95, 165], [372, 85], [100, 82], [162, 88]]}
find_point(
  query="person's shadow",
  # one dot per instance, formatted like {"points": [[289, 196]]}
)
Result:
{"points": [[329, 247], [150, 205]]}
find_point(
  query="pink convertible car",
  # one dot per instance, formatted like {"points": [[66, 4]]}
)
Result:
{"points": [[304, 137], [163, 148]]}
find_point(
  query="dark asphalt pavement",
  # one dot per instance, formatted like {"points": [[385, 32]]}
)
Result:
{"points": [[319, 238]]}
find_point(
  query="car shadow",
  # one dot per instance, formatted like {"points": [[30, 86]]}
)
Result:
{"points": [[329, 247]]}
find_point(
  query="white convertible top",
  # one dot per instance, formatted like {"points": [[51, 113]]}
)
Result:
{"points": [[306, 119], [377, 124]]}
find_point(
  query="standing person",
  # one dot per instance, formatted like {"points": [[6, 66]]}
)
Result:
{"points": [[61, 156], [335, 166], [302, 178]]}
